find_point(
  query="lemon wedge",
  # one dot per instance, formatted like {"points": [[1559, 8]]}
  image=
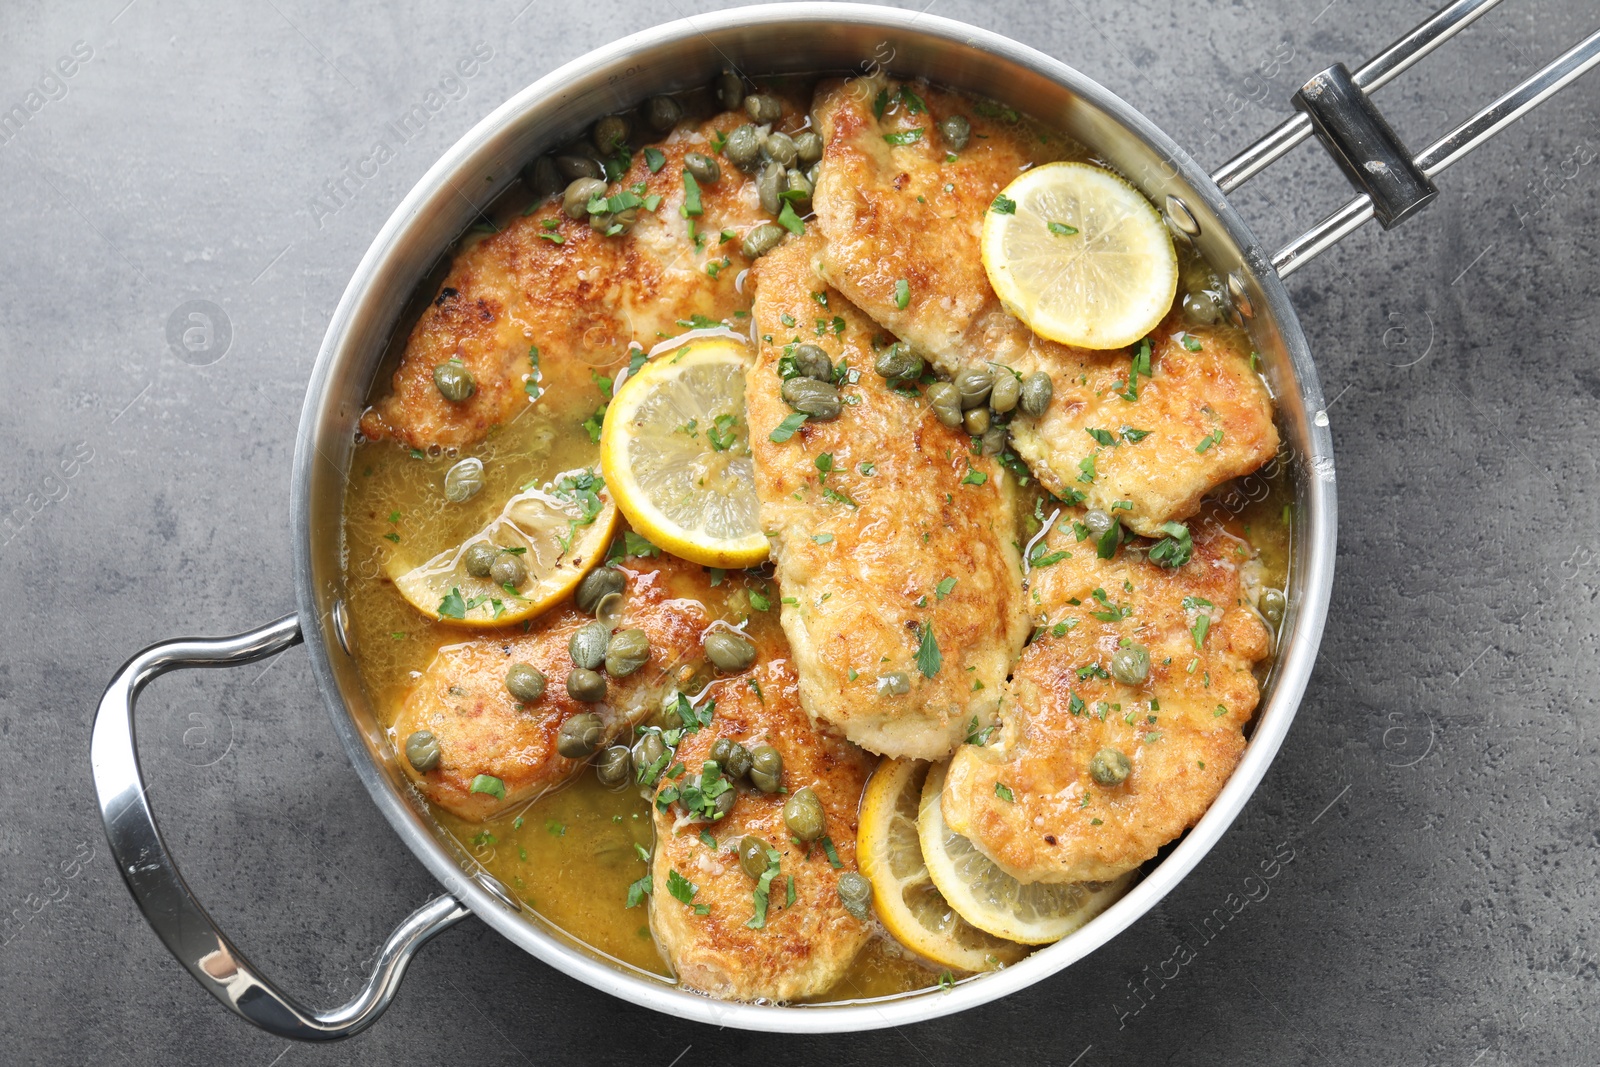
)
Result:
{"points": [[990, 899], [675, 450], [558, 534], [907, 902], [1080, 256]]}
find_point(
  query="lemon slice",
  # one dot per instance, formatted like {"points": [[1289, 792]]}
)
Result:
{"points": [[1080, 256], [560, 534], [675, 449], [1033, 913], [906, 899]]}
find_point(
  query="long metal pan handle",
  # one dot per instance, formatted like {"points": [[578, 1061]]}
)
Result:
{"points": [[159, 889], [1335, 105]]}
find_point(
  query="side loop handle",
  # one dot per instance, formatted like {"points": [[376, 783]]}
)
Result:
{"points": [[158, 888]]}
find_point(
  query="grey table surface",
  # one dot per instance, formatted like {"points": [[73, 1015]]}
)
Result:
{"points": [[1437, 790]]}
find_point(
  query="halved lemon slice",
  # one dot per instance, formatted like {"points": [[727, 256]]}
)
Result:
{"points": [[558, 534], [989, 898], [906, 899], [675, 449], [1080, 256]]}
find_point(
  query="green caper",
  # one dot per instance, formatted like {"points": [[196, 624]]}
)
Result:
{"points": [[575, 200], [798, 184], [614, 767], [610, 134], [650, 756], [761, 240], [1110, 767], [1036, 390], [586, 685], [661, 113], [508, 569], [609, 610], [596, 585], [895, 683], [753, 855], [706, 171], [956, 131], [464, 480], [580, 736], [733, 757], [897, 361], [780, 149], [808, 147], [743, 148], [812, 172], [1203, 306], [730, 89], [763, 108], [820, 400], [766, 769], [1006, 392], [1272, 605], [525, 682], [769, 188], [1130, 664], [587, 645], [627, 652], [976, 421], [454, 382], [994, 440], [612, 223], [422, 751], [543, 178], [478, 558], [802, 814], [728, 652], [722, 804], [812, 362], [945, 400], [1098, 521], [856, 894], [974, 383], [572, 166]]}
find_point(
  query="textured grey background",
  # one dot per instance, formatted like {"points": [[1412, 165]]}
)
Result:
{"points": [[1437, 789]]}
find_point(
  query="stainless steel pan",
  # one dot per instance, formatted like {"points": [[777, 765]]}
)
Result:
{"points": [[791, 38]]}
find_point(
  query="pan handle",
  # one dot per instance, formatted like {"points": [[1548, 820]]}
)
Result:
{"points": [[1393, 184], [159, 889]]}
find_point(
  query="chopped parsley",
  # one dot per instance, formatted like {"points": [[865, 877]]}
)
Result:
{"points": [[655, 159], [790, 221], [452, 606], [1003, 791], [1212, 438], [691, 196], [904, 137], [1003, 205], [902, 293], [1061, 229], [785, 429], [979, 736], [942, 590], [639, 890], [1175, 549], [974, 477], [488, 783], [929, 659]]}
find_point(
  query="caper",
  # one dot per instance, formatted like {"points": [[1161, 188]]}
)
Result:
{"points": [[587, 645], [812, 362], [596, 585], [1203, 306], [1006, 392], [732, 756], [543, 178], [808, 147], [766, 769], [974, 384], [1130, 664], [820, 400], [743, 148], [454, 382], [897, 361], [661, 113], [478, 558], [855, 892], [761, 240], [728, 652], [580, 736], [422, 751], [650, 756], [769, 188], [812, 172], [1036, 390], [976, 421], [956, 131], [723, 803], [586, 685], [575, 201], [730, 89], [763, 107], [613, 223], [464, 480], [609, 610], [614, 767], [994, 440], [572, 167], [780, 149], [895, 683], [1110, 767], [797, 183], [1098, 521], [508, 569], [525, 682], [945, 400], [753, 856], [706, 171], [610, 134], [802, 814], [1272, 605], [627, 652]]}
